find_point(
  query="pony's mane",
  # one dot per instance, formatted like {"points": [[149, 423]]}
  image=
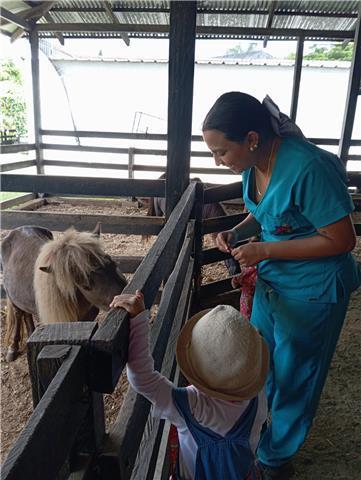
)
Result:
{"points": [[69, 259]]}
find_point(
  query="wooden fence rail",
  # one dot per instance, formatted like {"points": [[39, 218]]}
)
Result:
{"points": [[44, 444], [100, 356], [130, 165]]}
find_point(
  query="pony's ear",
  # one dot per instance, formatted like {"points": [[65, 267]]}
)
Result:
{"points": [[46, 269], [97, 230]]}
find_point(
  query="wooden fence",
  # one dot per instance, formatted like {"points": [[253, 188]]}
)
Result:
{"points": [[130, 153], [72, 365]]}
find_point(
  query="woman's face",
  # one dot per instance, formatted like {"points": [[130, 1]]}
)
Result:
{"points": [[234, 155]]}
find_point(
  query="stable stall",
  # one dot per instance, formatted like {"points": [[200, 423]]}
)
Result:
{"points": [[73, 365]]}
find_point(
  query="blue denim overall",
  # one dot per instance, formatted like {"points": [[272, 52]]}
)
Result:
{"points": [[221, 458]]}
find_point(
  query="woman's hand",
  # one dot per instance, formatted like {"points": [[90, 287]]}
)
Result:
{"points": [[249, 254], [133, 304], [224, 240]]}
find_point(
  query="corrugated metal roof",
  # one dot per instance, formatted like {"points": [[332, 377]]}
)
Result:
{"points": [[215, 19]]}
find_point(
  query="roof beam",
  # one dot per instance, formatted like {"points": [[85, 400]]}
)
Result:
{"points": [[277, 32], [108, 8], [58, 35], [272, 8], [39, 11], [14, 18], [34, 13], [253, 11]]}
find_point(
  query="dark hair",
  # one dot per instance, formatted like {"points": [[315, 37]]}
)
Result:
{"points": [[235, 114]]}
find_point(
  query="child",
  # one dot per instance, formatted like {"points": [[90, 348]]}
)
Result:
{"points": [[220, 415]]}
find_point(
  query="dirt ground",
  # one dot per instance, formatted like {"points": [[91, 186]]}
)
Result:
{"points": [[333, 448]]}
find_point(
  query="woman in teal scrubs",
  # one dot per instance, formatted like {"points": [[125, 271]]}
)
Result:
{"points": [[298, 203]]}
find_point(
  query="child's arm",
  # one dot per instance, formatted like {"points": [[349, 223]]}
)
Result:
{"points": [[140, 368]]}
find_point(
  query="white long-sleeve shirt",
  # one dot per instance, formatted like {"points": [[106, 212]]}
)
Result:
{"points": [[215, 414]]}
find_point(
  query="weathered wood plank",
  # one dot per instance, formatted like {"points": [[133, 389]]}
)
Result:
{"points": [[137, 167], [127, 264], [354, 179], [16, 201], [8, 167], [211, 255], [92, 431], [211, 30], [215, 288], [17, 147], [43, 444], [83, 222], [182, 36], [74, 333], [146, 449], [358, 229], [218, 224], [223, 192], [159, 136], [120, 452], [32, 204], [226, 298], [105, 187], [111, 341], [198, 237], [86, 201]]}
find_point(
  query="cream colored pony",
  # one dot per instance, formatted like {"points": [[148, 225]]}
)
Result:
{"points": [[58, 280]]}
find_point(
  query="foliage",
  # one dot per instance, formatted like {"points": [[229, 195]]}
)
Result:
{"points": [[238, 51], [336, 52], [12, 102]]}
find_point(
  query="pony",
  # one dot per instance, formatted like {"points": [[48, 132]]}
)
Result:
{"points": [[66, 279], [156, 208]]}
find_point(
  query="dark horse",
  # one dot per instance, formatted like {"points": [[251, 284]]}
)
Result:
{"points": [[58, 280]]}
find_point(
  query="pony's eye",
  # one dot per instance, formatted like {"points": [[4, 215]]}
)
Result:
{"points": [[88, 285]]}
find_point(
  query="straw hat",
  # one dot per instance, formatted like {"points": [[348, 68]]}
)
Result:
{"points": [[222, 354]]}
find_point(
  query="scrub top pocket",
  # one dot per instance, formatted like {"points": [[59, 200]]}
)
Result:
{"points": [[288, 223]]}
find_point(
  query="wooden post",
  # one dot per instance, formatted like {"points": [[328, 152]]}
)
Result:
{"points": [[130, 162], [198, 238], [297, 78], [74, 333], [34, 45], [92, 431], [49, 361], [352, 94], [182, 36]]}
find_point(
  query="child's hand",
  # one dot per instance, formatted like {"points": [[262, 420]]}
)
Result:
{"points": [[133, 304], [236, 281]]}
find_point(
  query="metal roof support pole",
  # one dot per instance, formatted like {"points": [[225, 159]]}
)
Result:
{"points": [[352, 94], [297, 78], [182, 35], [34, 44]]}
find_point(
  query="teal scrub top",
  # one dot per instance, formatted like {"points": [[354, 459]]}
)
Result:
{"points": [[307, 190]]}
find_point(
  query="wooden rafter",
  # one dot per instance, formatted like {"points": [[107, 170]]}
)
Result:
{"points": [[156, 28], [272, 8], [109, 10], [14, 18], [34, 14]]}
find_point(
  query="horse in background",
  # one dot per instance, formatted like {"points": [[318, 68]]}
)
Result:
{"points": [[156, 208], [66, 279]]}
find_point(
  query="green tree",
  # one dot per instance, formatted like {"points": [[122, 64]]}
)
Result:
{"points": [[235, 51], [336, 52], [12, 102]]}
